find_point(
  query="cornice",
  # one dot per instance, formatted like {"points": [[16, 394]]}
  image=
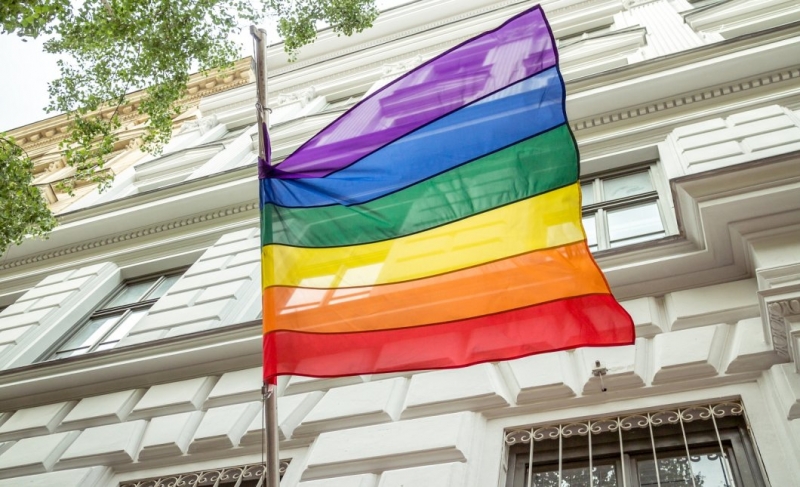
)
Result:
{"points": [[218, 200], [691, 56], [51, 131], [736, 14], [133, 234], [685, 99]]}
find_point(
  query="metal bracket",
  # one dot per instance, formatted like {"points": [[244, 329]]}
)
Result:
{"points": [[600, 371]]}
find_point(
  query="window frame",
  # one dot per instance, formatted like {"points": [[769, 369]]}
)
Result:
{"points": [[341, 104], [600, 208], [124, 311]]}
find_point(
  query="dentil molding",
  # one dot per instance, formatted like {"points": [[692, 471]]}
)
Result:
{"points": [[133, 234]]}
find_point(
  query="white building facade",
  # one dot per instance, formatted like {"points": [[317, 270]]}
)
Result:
{"points": [[130, 340]]}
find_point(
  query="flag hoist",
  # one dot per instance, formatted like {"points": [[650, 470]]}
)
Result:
{"points": [[271, 476], [437, 223]]}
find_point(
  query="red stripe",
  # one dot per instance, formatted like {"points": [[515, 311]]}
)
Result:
{"points": [[593, 320]]}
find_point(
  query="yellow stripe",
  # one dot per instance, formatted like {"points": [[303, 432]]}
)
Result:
{"points": [[548, 220]]}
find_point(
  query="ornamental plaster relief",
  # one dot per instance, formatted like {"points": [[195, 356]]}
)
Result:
{"points": [[396, 69], [202, 124], [784, 326], [303, 97]]}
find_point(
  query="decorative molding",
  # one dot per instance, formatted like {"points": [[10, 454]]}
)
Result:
{"points": [[222, 477], [687, 99], [134, 234], [779, 311], [401, 67], [304, 96], [203, 124], [52, 131], [735, 18]]}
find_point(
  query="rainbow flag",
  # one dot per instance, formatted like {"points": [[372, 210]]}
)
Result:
{"points": [[437, 223]]}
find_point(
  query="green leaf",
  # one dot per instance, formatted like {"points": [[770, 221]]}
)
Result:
{"points": [[109, 48]]}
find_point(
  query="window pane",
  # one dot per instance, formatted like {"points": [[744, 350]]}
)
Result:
{"points": [[123, 328], [708, 470], [603, 476], [131, 293], [91, 332], [634, 222], [587, 194], [590, 227], [628, 185], [164, 286]]}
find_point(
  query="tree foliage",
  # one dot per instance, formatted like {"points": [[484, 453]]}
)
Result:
{"points": [[109, 48], [23, 212], [298, 19]]}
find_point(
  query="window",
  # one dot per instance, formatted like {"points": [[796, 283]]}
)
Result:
{"points": [[582, 36], [117, 315], [622, 209], [242, 476], [233, 133], [696, 446], [341, 103]]}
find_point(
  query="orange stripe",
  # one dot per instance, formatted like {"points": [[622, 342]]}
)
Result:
{"points": [[593, 320], [536, 277]]}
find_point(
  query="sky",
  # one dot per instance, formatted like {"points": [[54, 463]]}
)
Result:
{"points": [[23, 85], [23, 89], [27, 70]]}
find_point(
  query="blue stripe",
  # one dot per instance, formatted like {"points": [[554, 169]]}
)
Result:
{"points": [[513, 114]]}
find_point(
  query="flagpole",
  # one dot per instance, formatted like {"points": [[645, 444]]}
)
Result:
{"points": [[269, 390]]}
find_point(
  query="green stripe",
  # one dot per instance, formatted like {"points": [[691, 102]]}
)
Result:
{"points": [[533, 166]]}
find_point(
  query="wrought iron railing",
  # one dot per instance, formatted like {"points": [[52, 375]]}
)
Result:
{"points": [[616, 426], [239, 476]]}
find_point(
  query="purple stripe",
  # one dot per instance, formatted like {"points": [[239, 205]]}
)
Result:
{"points": [[484, 64], [265, 166]]}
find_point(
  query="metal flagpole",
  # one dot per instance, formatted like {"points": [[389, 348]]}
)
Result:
{"points": [[269, 390]]}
